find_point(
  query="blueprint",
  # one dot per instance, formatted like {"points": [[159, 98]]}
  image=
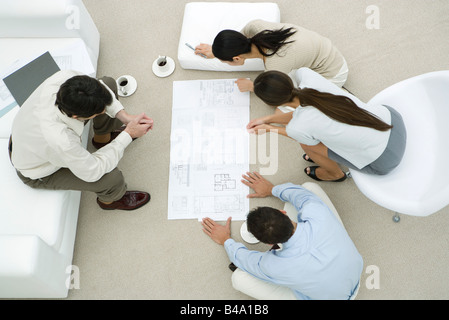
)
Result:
{"points": [[209, 150]]}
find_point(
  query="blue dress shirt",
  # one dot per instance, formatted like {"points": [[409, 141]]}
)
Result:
{"points": [[319, 261]]}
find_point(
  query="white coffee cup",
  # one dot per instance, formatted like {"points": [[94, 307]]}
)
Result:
{"points": [[246, 235], [162, 64], [123, 85]]}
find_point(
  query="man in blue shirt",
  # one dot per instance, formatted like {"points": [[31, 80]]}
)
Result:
{"points": [[318, 260]]}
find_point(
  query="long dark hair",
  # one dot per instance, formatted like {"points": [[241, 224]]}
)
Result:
{"points": [[230, 43], [276, 88]]}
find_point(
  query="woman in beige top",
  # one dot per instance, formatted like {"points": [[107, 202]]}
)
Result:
{"points": [[283, 47]]}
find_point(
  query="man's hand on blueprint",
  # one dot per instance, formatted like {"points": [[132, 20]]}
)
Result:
{"points": [[259, 184], [217, 232]]}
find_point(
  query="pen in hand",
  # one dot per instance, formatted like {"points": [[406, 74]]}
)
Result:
{"points": [[203, 55]]}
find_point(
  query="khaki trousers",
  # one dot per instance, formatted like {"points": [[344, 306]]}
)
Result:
{"points": [[110, 187]]}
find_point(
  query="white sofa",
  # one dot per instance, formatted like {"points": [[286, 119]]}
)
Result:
{"points": [[38, 227]]}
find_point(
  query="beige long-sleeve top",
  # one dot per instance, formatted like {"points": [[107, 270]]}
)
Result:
{"points": [[46, 140], [309, 49]]}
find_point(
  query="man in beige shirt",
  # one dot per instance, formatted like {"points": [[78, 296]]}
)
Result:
{"points": [[46, 147]]}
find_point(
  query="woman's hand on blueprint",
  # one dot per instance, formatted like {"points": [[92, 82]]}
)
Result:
{"points": [[245, 85], [258, 126], [259, 184], [262, 126]]}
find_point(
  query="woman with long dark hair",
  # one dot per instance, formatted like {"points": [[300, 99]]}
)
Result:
{"points": [[332, 126], [283, 47]]}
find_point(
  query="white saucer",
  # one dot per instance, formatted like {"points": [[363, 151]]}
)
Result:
{"points": [[246, 235], [132, 85], [171, 65]]}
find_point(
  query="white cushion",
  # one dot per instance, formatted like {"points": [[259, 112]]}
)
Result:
{"points": [[6, 122], [204, 20], [46, 19], [28, 211], [29, 268], [69, 53]]}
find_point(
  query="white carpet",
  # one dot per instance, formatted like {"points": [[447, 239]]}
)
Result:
{"points": [[142, 255]]}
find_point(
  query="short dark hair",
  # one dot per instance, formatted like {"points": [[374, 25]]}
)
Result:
{"points": [[82, 96], [269, 225]]}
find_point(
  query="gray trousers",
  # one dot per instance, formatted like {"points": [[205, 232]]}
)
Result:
{"points": [[393, 153], [110, 187]]}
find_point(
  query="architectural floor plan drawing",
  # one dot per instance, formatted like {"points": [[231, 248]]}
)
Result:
{"points": [[209, 150], [224, 182]]}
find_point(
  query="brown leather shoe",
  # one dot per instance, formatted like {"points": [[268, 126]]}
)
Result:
{"points": [[114, 135], [130, 201]]}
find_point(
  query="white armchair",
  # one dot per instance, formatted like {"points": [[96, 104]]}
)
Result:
{"points": [[419, 186]]}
